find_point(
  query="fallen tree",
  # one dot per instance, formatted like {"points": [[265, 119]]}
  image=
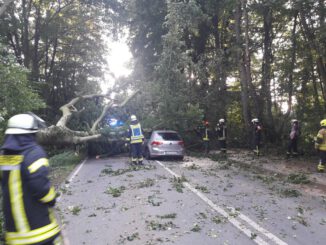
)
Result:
{"points": [[61, 134]]}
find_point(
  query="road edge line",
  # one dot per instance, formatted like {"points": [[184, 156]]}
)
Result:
{"points": [[232, 220]]}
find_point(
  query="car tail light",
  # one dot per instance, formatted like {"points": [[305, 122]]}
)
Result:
{"points": [[181, 143], [156, 143]]}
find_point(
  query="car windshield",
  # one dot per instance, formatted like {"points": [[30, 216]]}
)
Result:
{"points": [[168, 136]]}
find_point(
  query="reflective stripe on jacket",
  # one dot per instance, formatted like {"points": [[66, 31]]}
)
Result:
{"points": [[27, 193], [205, 136], [321, 140], [136, 134], [221, 132]]}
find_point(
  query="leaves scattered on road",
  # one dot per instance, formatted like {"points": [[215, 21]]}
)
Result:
{"points": [[115, 192], [299, 178], [157, 226]]}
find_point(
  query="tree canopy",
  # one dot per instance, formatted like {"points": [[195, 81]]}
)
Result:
{"points": [[193, 59]]}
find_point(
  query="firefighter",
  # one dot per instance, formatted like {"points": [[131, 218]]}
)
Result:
{"points": [[28, 196], [320, 146], [257, 131], [221, 134], [294, 136], [135, 138], [205, 135]]}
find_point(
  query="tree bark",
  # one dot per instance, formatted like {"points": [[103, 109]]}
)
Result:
{"points": [[266, 70], [241, 67], [311, 38]]}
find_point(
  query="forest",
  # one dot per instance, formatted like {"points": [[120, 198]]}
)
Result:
{"points": [[192, 60]]}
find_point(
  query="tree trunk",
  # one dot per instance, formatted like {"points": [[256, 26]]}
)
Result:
{"points": [[25, 34], [292, 64], [241, 67], [317, 53], [266, 72], [247, 62], [37, 36]]}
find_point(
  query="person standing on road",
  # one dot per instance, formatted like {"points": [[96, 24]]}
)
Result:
{"points": [[28, 196], [221, 134], [257, 131], [294, 136], [136, 138], [320, 146], [205, 135]]}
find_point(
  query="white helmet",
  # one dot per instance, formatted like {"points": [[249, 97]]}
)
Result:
{"points": [[24, 124], [221, 120], [294, 120], [255, 120], [133, 118]]}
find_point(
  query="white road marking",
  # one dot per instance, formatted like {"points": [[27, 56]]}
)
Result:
{"points": [[73, 175], [77, 171], [234, 220]]}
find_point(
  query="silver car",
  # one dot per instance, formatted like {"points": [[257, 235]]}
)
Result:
{"points": [[164, 143]]}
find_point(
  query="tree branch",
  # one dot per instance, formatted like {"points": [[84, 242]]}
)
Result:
{"points": [[4, 6]]}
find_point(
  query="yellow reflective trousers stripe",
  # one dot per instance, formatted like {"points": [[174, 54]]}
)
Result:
{"points": [[38, 164], [17, 202], [33, 240], [32, 233], [34, 236]]}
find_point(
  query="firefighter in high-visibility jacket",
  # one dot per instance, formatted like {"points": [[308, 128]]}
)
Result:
{"points": [[205, 134], [257, 131], [221, 134], [136, 138], [28, 196], [320, 146]]}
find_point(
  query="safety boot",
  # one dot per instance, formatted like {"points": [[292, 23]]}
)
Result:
{"points": [[321, 167]]}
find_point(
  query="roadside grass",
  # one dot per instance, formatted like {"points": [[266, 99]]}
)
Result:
{"points": [[61, 166]]}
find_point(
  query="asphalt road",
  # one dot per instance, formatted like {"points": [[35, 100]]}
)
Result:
{"points": [[197, 201]]}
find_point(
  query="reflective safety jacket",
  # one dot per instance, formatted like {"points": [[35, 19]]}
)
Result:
{"points": [[320, 143], [204, 132], [221, 131], [27, 193], [135, 134]]}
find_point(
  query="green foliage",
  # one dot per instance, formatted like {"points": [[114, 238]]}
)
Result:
{"points": [[64, 159], [16, 94]]}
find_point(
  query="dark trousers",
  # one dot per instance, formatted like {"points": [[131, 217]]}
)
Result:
{"points": [[206, 146], [222, 144], [293, 146], [322, 157], [136, 152], [257, 146]]}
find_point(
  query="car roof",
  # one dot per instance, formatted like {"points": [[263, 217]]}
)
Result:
{"points": [[164, 131]]}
